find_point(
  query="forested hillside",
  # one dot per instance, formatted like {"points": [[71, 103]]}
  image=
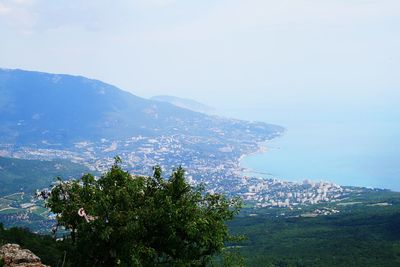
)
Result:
{"points": [[365, 232], [19, 175]]}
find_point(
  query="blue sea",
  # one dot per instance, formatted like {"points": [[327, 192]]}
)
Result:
{"points": [[359, 155], [348, 150]]}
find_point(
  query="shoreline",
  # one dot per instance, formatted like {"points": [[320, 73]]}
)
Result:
{"points": [[246, 172], [262, 148]]}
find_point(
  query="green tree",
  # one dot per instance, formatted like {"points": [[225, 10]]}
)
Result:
{"points": [[130, 220]]}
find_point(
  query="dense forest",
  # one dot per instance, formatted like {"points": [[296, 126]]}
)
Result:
{"points": [[362, 234]]}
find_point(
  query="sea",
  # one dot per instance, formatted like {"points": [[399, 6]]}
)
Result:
{"points": [[347, 150]]}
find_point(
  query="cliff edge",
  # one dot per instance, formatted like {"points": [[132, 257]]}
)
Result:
{"points": [[13, 255]]}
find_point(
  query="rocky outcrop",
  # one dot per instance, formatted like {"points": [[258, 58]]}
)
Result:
{"points": [[14, 256]]}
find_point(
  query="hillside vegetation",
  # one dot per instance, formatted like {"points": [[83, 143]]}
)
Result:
{"points": [[360, 235], [19, 175], [366, 232]]}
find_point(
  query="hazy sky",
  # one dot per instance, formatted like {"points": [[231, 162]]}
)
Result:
{"points": [[283, 57]]}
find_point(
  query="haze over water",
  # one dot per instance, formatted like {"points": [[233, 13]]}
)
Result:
{"points": [[348, 150]]}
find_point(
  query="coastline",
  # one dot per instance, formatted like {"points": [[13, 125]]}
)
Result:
{"points": [[262, 148]]}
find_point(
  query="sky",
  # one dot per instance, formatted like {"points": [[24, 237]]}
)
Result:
{"points": [[286, 58]]}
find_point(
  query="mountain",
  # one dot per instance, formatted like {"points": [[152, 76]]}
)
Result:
{"points": [[185, 103], [52, 117], [43, 108]]}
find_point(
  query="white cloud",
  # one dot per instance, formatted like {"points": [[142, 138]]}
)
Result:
{"points": [[155, 3], [19, 14], [208, 44], [24, 2], [4, 9], [231, 17]]}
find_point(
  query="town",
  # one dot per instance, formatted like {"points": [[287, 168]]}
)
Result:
{"points": [[208, 161]]}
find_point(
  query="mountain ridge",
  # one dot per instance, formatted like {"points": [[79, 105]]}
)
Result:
{"points": [[185, 103], [38, 106]]}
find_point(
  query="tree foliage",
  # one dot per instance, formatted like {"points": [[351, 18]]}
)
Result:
{"points": [[142, 221]]}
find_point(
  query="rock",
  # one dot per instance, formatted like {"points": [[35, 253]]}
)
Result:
{"points": [[14, 256]]}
